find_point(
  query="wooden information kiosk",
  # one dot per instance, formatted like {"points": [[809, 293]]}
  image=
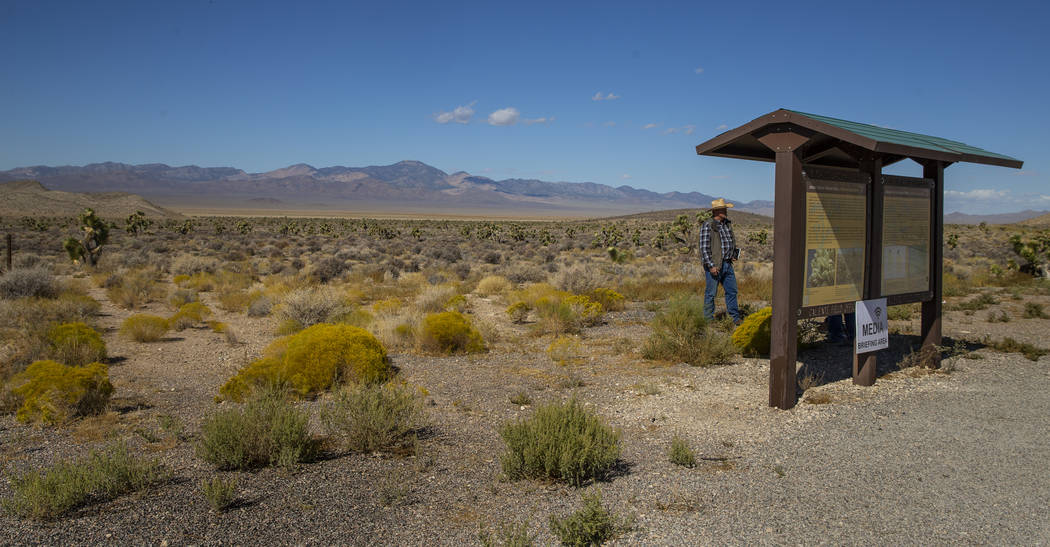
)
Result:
{"points": [[843, 231]]}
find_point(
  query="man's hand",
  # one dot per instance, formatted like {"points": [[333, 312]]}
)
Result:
{"points": [[713, 270]]}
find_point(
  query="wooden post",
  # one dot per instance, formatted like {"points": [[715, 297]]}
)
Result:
{"points": [[10, 250], [865, 364], [788, 261], [931, 310]]}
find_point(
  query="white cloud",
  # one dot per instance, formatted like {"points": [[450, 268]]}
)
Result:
{"points": [[538, 120], [460, 114], [699, 70], [609, 124], [650, 125], [609, 97], [504, 116], [978, 193], [722, 127], [670, 130], [625, 176], [688, 129]]}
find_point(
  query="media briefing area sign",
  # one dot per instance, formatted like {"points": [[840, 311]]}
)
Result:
{"points": [[873, 326]]}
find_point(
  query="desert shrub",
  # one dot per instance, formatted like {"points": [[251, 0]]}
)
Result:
{"points": [[903, 312], [329, 268], [1034, 310], [513, 534], [524, 273], [260, 306], [220, 492], [752, 336], [234, 300], [370, 418], [142, 327], [51, 392], [435, 298], [68, 484], [608, 298], [592, 524], [188, 265], [493, 285], [564, 350], [28, 282], [585, 311], [1009, 345], [189, 314], [181, 297], [267, 430], [578, 279], [136, 289], [76, 344], [313, 360], [310, 306], [1001, 317], [680, 333], [200, 281], [519, 311], [450, 332], [560, 441], [681, 453]]}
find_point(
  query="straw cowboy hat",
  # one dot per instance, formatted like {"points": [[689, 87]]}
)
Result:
{"points": [[720, 203]]}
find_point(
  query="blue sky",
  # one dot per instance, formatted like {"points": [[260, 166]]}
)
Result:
{"points": [[263, 85]]}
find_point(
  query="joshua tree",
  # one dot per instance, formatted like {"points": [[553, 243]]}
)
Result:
{"points": [[88, 248], [137, 222]]}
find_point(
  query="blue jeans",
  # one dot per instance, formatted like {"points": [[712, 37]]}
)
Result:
{"points": [[728, 280], [838, 329]]}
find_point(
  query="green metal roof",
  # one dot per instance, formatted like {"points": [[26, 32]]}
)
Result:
{"points": [[836, 142], [905, 138]]}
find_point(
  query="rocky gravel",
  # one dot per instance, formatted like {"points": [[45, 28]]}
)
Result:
{"points": [[920, 458]]}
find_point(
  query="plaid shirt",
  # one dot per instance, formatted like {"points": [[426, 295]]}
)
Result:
{"points": [[728, 243]]}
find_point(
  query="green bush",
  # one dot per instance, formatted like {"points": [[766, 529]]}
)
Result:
{"points": [[680, 333], [519, 311], [560, 441], [1034, 310], [104, 475], [266, 430], [681, 453], [450, 332], [144, 328], [312, 361], [220, 492], [51, 392], [370, 418], [608, 298], [592, 524], [189, 314], [76, 344], [752, 336]]}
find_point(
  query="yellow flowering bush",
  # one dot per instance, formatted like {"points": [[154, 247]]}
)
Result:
{"points": [[51, 392], [751, 337], [312, 360]]}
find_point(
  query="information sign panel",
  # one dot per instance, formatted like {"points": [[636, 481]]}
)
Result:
{"points": [[836, 226], [873, 326], [905, 236]]}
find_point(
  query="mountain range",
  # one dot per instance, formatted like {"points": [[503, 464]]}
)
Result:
{"points": [[407, 184]]}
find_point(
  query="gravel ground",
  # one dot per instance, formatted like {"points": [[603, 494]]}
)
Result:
{"points": [[919, 458]]}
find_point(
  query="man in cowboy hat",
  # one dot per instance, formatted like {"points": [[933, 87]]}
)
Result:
{"points": [[718, 251]]}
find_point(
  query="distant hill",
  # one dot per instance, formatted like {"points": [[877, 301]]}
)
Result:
{"points": [[1002, 218], [30, 198], [1041, 220], [404, 184]]}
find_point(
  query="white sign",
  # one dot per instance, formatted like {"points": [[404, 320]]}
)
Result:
{"points": [[873, 326]]}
